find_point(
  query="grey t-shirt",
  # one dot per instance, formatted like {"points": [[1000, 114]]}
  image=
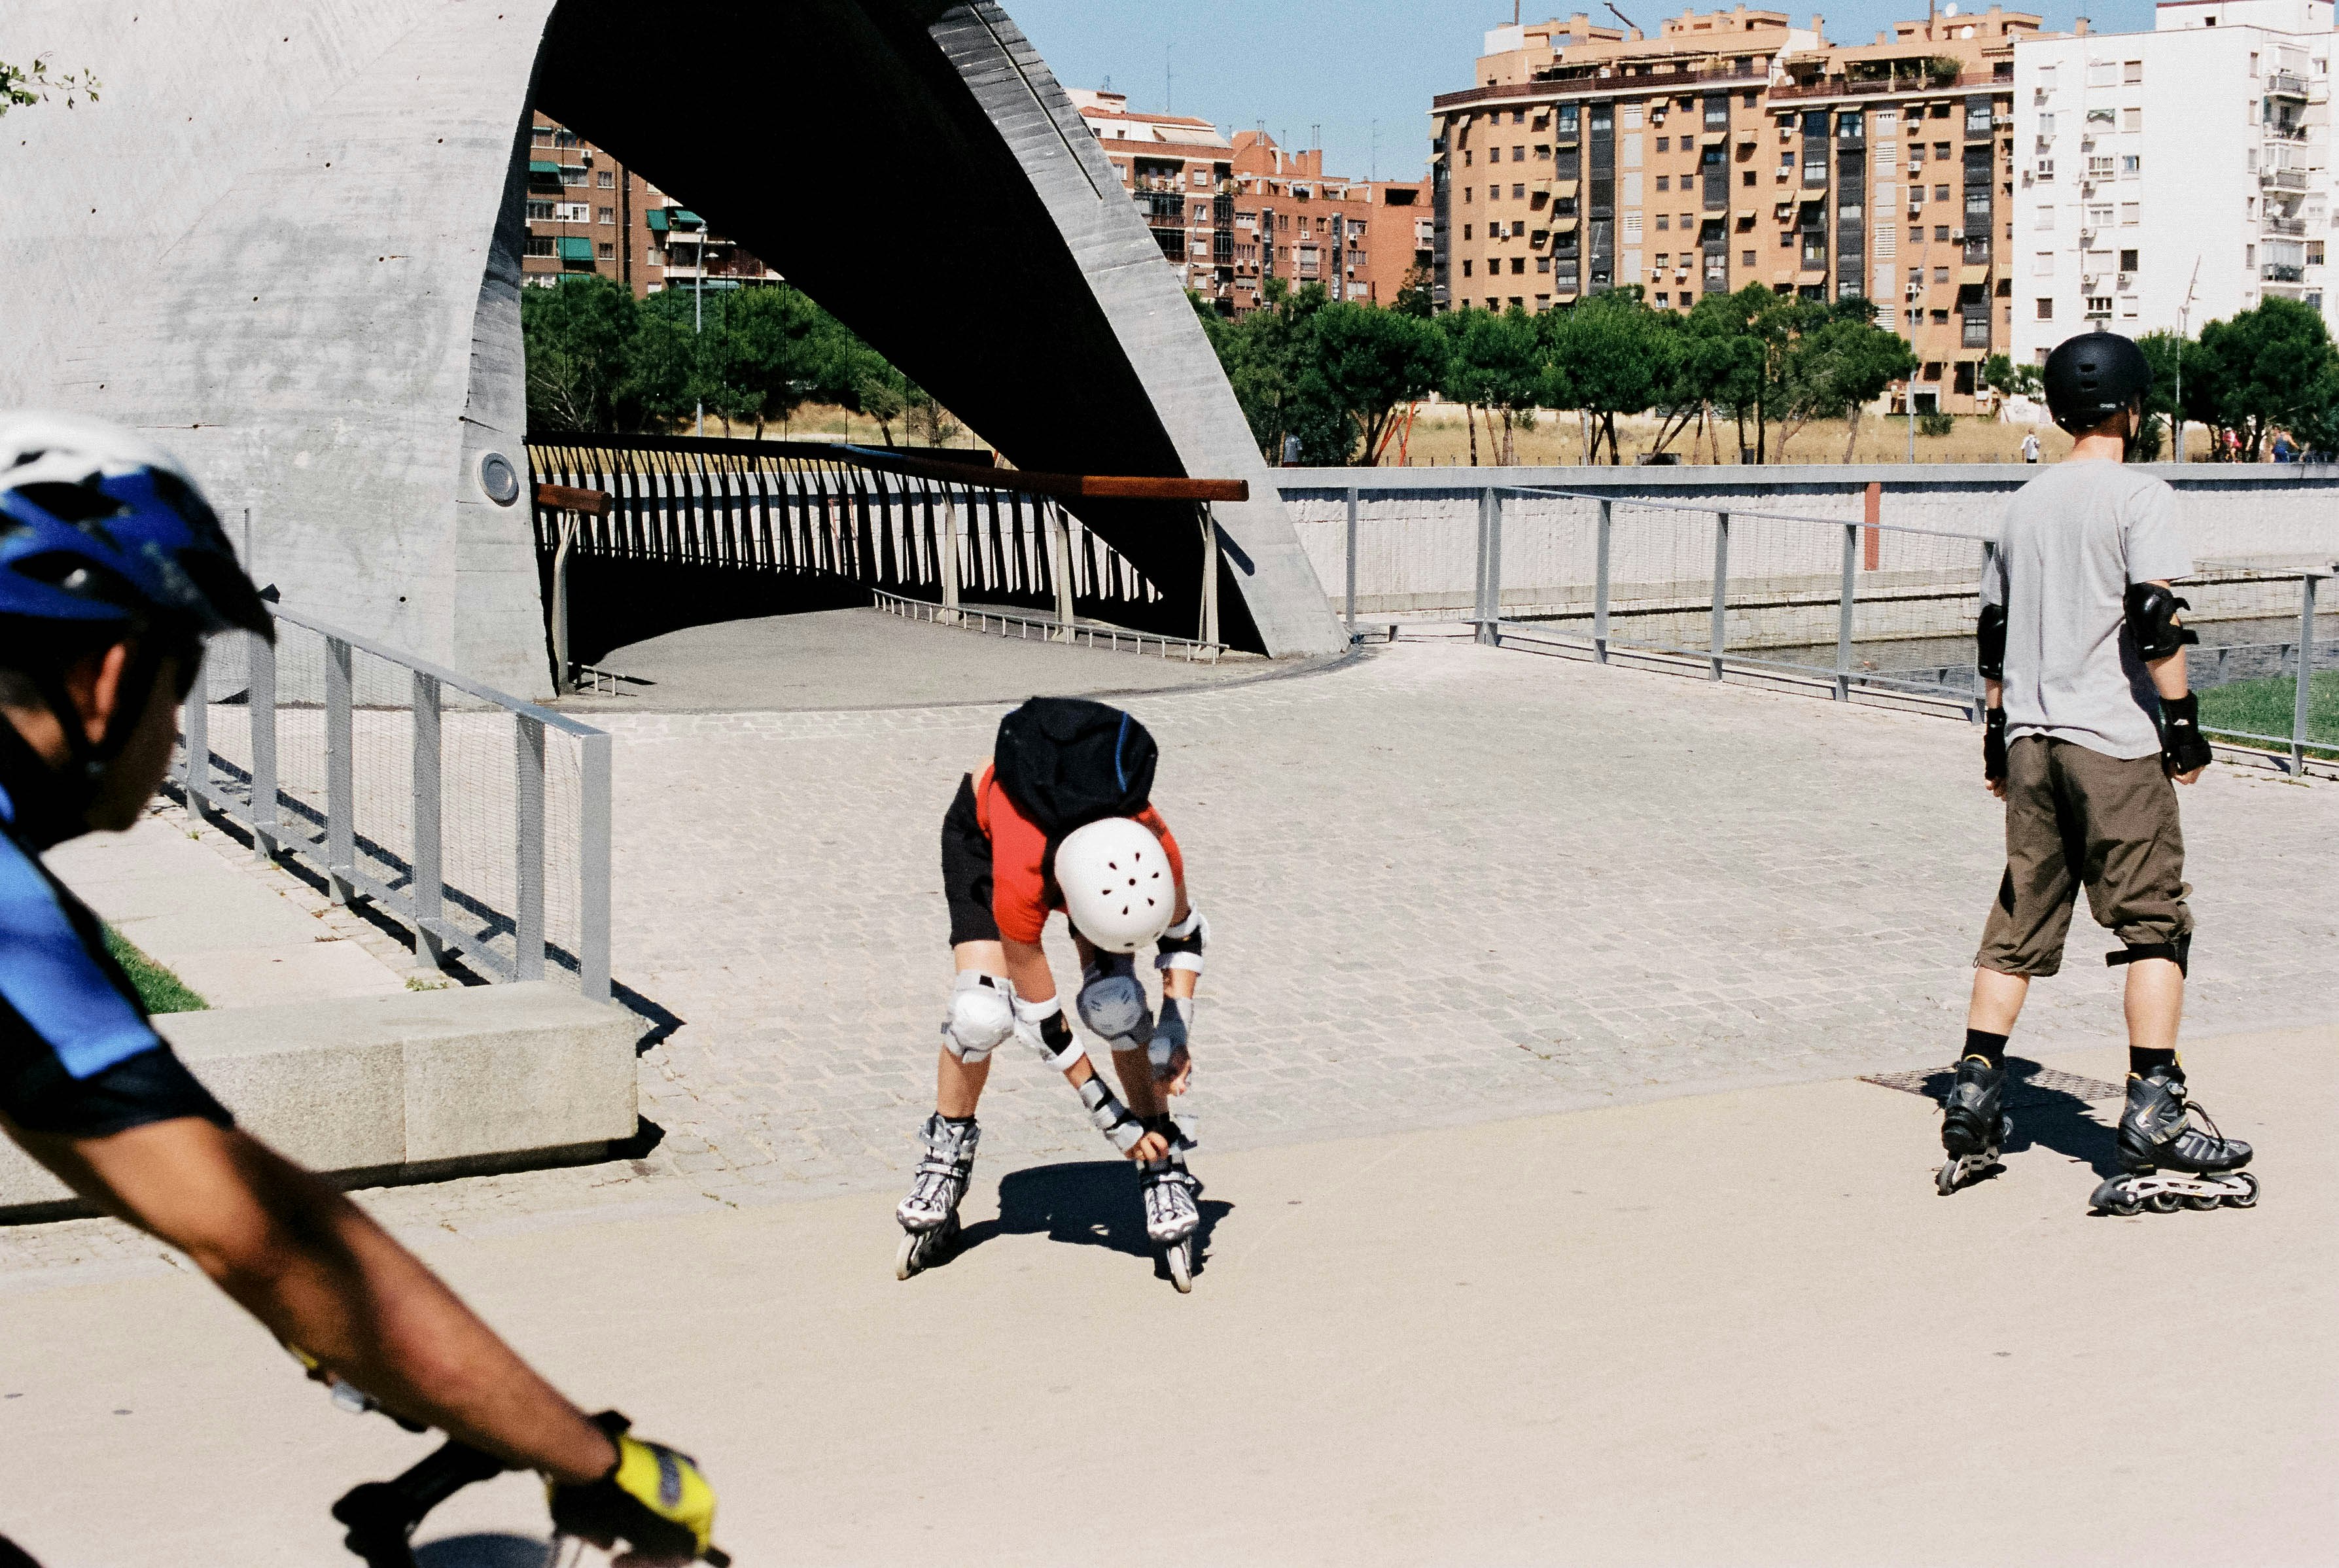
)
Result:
{"points": [[2075, 537]]}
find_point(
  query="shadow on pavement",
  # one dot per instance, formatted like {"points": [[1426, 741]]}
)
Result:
{"points": [[1088, 1203], [2051, 1109], [484, 1552]]}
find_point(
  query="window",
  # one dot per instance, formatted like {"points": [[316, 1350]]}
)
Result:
{"points": [[540, 244], [1940, 192], [2099, 306], [1940, 319], [2043, 266], [1465, 266], [1747, 178], [2099, 214], [1717, 113], [2099, 168], [1664, 298], [1977, 117], [2131, 165], [2132, 71], [2045, 310], [1687, 299], [1465, 194], [1542, 151], [1665, 221], [1665, 144], [2047, 124], [2127, 261], [1664, 260], [1746, 258], [1542, 263], [2105, 72], [543, 136], [539, 211], [609, 214], [608, 252], [1518, 192], [1664, 182], [606, 180], [1518, 263], [2046, 78], [1940, 274], [1940, 151], [1466, 231], [2046, 220], [2131, 119], [2044, 172], [572, 174]]}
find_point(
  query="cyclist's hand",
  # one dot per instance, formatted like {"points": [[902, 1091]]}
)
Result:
{"points": [[1173, 1063], [655, 1501]]}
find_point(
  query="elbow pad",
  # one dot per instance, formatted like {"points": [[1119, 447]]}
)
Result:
{"points": [[2152, 621], [1990, 638], [1182, 945]]}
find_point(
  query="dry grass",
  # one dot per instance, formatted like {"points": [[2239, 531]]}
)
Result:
{"points": [[1441, 439]]}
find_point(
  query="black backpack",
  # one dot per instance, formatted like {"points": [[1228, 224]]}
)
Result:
{"points": [[1067, 762]]}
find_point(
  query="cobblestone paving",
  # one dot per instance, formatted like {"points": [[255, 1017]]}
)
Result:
{"points": [[1445, 884]]}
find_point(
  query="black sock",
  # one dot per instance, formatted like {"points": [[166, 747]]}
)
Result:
{"points": [[959, 1120], [2142, 1063], [1990, 1048]]}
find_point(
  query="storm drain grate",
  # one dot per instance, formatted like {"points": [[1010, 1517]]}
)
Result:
{"points": [[2029, 1084]]}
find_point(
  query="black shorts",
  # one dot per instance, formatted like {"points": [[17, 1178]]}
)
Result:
{"points": [[39, 1096], [966, 870]]}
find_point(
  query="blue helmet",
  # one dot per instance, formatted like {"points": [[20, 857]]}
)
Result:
{"points": [[102, 531]]}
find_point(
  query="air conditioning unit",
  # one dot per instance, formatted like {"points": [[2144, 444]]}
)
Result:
{"points": [[1917, 212], [1958, 234], [1914, 289]]}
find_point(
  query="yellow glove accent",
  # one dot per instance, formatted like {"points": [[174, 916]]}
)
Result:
{"points": [[656, 1499]]}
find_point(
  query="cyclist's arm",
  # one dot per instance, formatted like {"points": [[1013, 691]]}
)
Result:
{"points": [[320, 1275]]}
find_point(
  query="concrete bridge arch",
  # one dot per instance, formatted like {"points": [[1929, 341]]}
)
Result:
{"points": [[286, 240]]}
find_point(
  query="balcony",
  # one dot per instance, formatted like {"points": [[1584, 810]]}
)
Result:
{"points": [[2282, 179], [2285, 84], [2291, 226], [2282, 272]]}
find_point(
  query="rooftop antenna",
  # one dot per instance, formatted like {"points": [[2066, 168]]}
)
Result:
{"points": [[1169, 104], [1630, 24]]}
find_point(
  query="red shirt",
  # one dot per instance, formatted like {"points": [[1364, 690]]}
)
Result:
{"points": [[1022, 891]]}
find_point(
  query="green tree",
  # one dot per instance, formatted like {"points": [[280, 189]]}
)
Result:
{"points": [[660, 364], [2315, 420], [1363, 360], [1718, 365], [2256, 369], [1500, 363], [1610, 355], [22, 86], [2001, 375], [1839, 362], [1263, 355], [1414, 297], [574, 337]]}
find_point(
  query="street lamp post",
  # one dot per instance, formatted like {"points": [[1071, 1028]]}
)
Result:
{"points": [[698, 315], [2183, 332]]}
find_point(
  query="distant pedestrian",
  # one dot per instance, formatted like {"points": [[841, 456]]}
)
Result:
{"points": [[2284, 452], [2030, 448]]}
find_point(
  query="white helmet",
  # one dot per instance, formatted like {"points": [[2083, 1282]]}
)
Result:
{"points": [[1117, 887]]}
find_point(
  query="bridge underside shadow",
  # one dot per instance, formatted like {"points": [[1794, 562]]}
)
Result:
{"points": [[916, 169]]}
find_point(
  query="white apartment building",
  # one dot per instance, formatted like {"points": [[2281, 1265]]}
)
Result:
{"points": [[2141, 156]]}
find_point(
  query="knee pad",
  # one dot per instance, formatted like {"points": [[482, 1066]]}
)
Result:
{"points": [[2178, 953], [982, 1016], [1112, 1004]]}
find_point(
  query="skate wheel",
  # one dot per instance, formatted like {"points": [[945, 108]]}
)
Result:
{"points": [[2165, 1202], [2202, 1201], [905, 1260], [2123, 1206], [1180, 1260], [2248, 1197], [1946, 1182]]}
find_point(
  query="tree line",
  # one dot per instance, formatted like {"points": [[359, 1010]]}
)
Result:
{"points": [[600, 360], [1333, 376]]}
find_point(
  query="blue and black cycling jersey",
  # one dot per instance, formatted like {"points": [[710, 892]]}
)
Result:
{"points": [[77, 1055]]}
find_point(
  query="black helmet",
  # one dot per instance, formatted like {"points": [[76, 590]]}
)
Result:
{"points": [[2092, 377]]}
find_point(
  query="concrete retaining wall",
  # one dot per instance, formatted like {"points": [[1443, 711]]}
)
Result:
{"points": [[423, 1084], [1417, 529]]}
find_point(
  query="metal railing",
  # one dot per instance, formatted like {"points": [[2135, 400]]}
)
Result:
{"points": [[1860, 609], [476, 820], [1042, 628], [930, 526]]}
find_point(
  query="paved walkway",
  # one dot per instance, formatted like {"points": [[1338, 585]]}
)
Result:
{"points": [[844, 659], [1738, 1329], [1446, 884]]}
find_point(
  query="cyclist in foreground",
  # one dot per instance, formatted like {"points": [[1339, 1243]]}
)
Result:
{"points": [[114, 571]]}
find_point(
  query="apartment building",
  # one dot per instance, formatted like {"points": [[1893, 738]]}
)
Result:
{"points": [[1895, 180], [2192, 163], [587, 212], [1735, 148], [1231, 211], [1588, 157]]}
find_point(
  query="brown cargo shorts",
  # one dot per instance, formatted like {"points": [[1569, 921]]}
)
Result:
{"points": [[2076, 818]]}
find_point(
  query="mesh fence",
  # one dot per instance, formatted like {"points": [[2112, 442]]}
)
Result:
{"points": [[476, 820]]}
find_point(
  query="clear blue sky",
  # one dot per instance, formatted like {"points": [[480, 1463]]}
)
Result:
{"points": [[1345, 66]]}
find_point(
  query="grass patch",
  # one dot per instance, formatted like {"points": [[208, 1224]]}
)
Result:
{"points": [[158, 988], [2265, 707]]}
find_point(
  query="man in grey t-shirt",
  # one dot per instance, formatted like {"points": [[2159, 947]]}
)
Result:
{"points": [[2082, 657]]}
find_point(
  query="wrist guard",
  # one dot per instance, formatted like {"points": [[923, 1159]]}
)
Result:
{"points": [[1112, 1118], [653, 1499], [1993, 745], [1041, 1025], [2183, 746], [1182, 945], [1171, 1034]]}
